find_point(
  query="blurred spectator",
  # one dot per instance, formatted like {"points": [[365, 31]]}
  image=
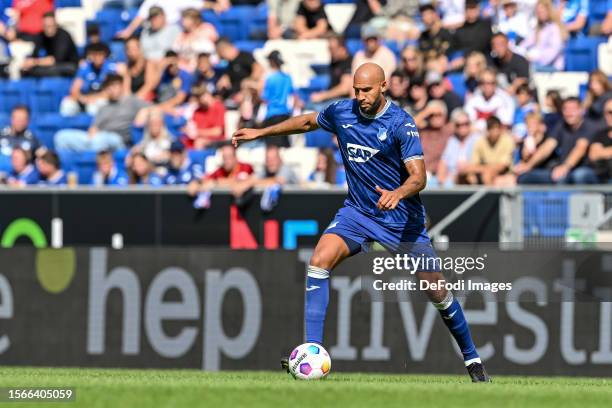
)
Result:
{"points": [[374, 51], [92, 36], [228, 174], [514, 19], [552, 106], [276, 93], [172, 10], [310, 20], [174, 84], [241, 67], [600, 153], [18, 133], [111, 129], [434, 132], [562, 157], [574, 14], [457, 154], [85, 92], [205, 74], [492, 155], [181, 170], [606, 25], [598, 93], [23, 172], [325, 170], [29, 16], [453, 12], [475, 65], [281, 15], [438, 91], [397, 19], [107, 173], [54, 52], [525, 104], [140, 74], [513, 69], [536, 134], [474, 35], [365, 10], [158, 36], [341, 80], [412, 65], [141, 172], [543, 47], [435, 39], [155, 144], [197, 37], [398, 89], [207, 123], [417, 96], [490, 100], [219, 6], [48, 166]]}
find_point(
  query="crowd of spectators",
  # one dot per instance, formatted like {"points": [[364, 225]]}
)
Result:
{"points": [[492, 131]]}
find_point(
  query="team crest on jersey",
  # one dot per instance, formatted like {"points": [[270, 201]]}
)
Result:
{"points": [[360, 154], [382, 134]]}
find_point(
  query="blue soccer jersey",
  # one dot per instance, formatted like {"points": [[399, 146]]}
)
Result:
{"points": [[374, 151]]}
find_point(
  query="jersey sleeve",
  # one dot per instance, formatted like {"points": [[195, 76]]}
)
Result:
{"points": [[325, 118], [407, 136]]}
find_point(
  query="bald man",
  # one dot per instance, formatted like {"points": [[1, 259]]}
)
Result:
{"points": [[385, 172]]}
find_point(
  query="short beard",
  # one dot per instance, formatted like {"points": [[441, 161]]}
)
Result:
{"points": [[374, 109]]}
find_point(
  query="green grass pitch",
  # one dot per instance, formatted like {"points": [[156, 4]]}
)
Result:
{"points": [[191, 388]]}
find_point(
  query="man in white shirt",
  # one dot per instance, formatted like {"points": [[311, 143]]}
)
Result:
{"points": [[490, 100]]}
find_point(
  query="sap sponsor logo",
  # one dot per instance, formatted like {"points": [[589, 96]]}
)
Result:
{"points": [[360, 154]]}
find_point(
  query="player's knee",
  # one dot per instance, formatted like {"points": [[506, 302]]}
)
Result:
{"points": [[321, 260]]}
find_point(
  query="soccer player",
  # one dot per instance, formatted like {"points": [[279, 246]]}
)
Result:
{"points": [[385, 172]]}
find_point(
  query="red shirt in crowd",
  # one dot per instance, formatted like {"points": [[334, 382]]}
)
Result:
{"points": [[30, 14], [213, 116], [240, 172]]}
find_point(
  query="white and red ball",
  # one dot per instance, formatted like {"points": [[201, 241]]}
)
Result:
{"points": [[309, 361]]}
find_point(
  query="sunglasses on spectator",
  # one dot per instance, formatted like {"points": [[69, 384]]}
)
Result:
{"points": [[461, 124], [488, 83], [436, 114], [408, 59]]}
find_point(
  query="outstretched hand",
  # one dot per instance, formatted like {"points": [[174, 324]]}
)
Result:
{"points": [[244, 135], [389, 200]]}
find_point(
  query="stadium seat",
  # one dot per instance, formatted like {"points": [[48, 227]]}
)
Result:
{"points": [[211, 17], [5, 119], [249, 45], [581, 53], [137, 134], [545, 214], [110, 21], [48, 94], [199, 156], [175, 124], [67, 3], [458, 83], [353, 45], [14, 93], [46, 126], [234, 20], [319, 83], [117, 51], [5, 163], [320, 69], [597, 11], [258, 24]]}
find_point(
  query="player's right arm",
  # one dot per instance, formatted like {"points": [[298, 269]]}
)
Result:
{"points": [[298, 124]]}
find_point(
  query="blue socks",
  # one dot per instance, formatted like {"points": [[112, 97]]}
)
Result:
{"points": [[317, 298], [453, 317]]}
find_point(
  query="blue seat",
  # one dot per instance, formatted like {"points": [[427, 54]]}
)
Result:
{"points": [[67, 3], [117, 51], [175, 124], [5, 163], [85, 166], [137, 134], [249, 45], [458, 83], [46, 126], [319, 83], [5, 119], [48, 94], [581, 53], [320, 69], [597, 11], [211, 17], [110, 21], [545, 214], [319, 138], [233, 22], [14, 93], [258, 23], [119, 157], [353, 45], [199, 156]]}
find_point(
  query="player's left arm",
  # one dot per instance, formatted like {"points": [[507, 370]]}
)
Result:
{"points": [[416, 181]]}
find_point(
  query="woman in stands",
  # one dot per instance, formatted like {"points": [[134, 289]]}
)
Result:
{"points": [[475, 64], [544, 46], [156, 142], [141, 171], [598, 92]]}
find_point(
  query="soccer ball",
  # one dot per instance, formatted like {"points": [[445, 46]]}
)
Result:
{"points": [[309, 361]]}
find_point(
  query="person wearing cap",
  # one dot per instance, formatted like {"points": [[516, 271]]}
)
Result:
{"points": [[197, 37], [86, 89], [276, 92], [310, 20], [374, 51], [435, 39], [207, 124], [181, 170], [438, 90], [158, 35], [172, 9], [474, 35]]}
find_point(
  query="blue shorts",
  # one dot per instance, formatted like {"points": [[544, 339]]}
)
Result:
{"points": [[359, 232]]}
